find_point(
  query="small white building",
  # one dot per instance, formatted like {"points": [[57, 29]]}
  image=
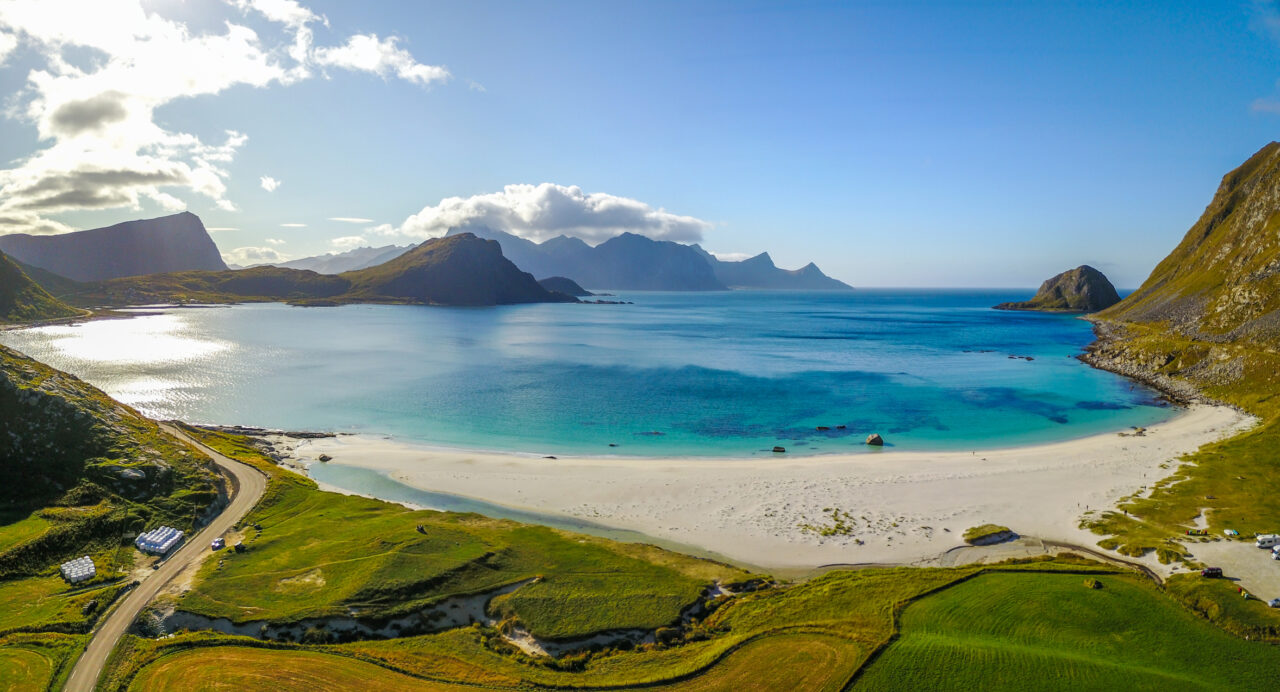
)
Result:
{"points": [[79, 569], [158, 541]]}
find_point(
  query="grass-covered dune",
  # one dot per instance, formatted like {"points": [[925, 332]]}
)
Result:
{"points": [[322, 554]]}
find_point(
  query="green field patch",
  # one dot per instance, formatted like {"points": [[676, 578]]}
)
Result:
{"points": [[1046, 631], [24, 670], [47, 602]]}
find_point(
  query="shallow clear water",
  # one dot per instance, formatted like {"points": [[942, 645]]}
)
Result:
{"points": [[706, 374]]}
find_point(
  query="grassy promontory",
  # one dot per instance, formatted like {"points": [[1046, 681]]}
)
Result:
{"points": [[1207, 323]]}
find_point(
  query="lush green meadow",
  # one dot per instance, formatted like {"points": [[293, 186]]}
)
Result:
{"points": [[320, 554], [37, 661], [1005, 631]]}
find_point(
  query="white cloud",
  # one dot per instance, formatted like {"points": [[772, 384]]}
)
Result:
{"points": [[349, 242], [107, 66], [539, 212], [730, 256], [7, 43], [294, 225], [476, 86], [245, 256], [1266, 106], [350, 219], [273, 241], [268, 183], [364, 52]]}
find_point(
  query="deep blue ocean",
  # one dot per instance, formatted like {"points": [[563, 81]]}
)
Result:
{"points": [[700, 374]]}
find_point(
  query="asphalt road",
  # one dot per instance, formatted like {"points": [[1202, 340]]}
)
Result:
{"points": [[246, 490]]}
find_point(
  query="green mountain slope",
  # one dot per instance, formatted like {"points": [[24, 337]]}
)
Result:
{"points": [[455, 270], [1222, 282], [23, 300]]}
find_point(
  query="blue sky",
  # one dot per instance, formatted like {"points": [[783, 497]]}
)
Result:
{"points": [[894, 143]]}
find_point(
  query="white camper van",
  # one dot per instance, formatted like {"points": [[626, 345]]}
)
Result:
{"points": [[1268, 540]]}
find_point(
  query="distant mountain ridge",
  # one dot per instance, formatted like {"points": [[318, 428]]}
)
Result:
{"points": [[351, 260], [635, 262], [761, 272], [133, 248]]}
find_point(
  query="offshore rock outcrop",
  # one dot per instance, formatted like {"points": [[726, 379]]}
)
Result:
{"points": [[1083, 289]]}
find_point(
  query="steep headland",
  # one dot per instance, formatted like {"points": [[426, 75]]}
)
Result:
{"points": [[1206, 323], [456, 270], [133, 248], [1083, 289], [23, 300]]}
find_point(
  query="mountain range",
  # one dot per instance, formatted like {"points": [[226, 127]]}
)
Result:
{"points": [[626, 262], [458, 270], [635, 262], [133, 248]]}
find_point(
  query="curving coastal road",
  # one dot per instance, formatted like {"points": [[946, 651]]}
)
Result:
{"points": [[247, 487]]}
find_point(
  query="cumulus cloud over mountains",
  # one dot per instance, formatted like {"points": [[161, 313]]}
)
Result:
{"points": [[540, 212], [99, 142]]}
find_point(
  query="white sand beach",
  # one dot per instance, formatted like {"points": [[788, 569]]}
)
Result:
{"points": [[905, 507]]}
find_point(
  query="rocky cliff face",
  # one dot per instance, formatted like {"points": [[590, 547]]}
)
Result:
{"points": [[1209, 314], [147, 246], [1083, 289], [22, 300]]}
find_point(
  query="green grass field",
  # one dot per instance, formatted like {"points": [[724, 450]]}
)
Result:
{"points": [[37, 661], [1004, 631], [24, 670], [39, 602], [1031, 626], [321, 553]]}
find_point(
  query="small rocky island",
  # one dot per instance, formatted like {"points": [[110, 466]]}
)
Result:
{"points": [[1083, 289]]}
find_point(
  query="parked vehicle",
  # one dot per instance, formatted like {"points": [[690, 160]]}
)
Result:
{"points": [[218, 543], [1267, 540], [1274, 603], [1211, 572]]}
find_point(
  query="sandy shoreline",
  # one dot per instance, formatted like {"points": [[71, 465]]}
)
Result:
{"points": [[904, 506]]}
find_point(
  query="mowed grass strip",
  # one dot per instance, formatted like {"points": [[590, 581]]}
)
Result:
{"points": [[798, 662], [244, 668], [23, 670], [1005, 631]]}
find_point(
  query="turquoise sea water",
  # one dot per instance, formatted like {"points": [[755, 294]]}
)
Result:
{"points": [[699, 374]]}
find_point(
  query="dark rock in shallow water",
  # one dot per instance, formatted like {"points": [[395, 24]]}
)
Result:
{"points": [[779, 450], [325, 457], [1083, 289], [875, 440]]}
